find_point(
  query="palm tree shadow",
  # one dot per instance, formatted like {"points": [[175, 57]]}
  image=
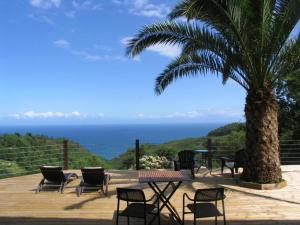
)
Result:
{"points": [[230, 184]]}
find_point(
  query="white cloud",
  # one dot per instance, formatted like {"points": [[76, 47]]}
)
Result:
{"points": [[227, 113], [46, 115], [171, 51], [62, 43], [78, 6], [71, 14], [191, 114], [121, 2], [45, 4], [86, 5], [102, 47], [41, 18], [88, 56], [144, 8], [33, 115]]}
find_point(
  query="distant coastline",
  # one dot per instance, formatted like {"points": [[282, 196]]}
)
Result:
{"points": [[111, 140]]}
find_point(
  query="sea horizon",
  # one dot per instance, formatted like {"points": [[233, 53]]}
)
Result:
{"points": [[111, 140]]}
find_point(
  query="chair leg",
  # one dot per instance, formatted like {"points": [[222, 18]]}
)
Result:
{"points": [[78, 191], [127, 220], [216, 218], [40, 186], [194, 219], [232, 172], [183, 209], [117, 219], [222, 166], [193, 173], [236, 169], [60, 187], [106, 190], [223, 206]]}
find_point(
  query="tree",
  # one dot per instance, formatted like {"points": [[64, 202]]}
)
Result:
{"points": [[247, 41], [288, 95]]}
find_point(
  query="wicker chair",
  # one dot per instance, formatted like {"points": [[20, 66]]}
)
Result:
{"points": [[234, 163], [203, 205], [137, 205], [185, 161]]}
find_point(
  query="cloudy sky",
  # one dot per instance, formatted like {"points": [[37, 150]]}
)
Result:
{"points": [[63, 62]]}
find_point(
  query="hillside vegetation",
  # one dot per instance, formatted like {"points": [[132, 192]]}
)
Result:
{"points": [[23, 154], [230, 137]]}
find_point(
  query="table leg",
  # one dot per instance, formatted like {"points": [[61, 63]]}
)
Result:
{"points": [[166, 199]]}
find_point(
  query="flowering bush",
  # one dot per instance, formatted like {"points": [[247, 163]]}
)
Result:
{"points": [[154, 162]]}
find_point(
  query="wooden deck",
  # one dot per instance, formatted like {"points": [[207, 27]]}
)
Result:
{"points": [[20, 205]]}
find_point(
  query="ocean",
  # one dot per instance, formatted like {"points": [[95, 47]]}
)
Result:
{"points": [[111, 140]]}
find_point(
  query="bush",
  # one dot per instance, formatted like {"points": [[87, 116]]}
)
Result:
{"points": [[154, 162]]}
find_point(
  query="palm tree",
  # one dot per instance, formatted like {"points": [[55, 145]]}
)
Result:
{"points": [[254, 43]]}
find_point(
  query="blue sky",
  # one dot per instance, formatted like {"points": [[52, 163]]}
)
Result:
{"points": [[63, 62]]}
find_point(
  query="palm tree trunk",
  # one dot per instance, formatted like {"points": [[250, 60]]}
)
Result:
{"points": [[262, 144]]}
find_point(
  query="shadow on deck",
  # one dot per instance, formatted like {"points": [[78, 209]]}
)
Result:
{"points": [[20, 205]]}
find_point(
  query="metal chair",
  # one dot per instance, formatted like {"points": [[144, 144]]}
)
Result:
{"points": [[238, 161], [137, 205], [185, 161], [203, 205]]}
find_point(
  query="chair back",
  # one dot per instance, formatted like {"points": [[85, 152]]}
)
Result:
{"points": [[186, 159], [209, 194], [93, 175], [53, 173], [186, 156], [131, 195], [240, 158]]}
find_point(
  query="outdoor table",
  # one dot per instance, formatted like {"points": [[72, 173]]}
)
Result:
{"points": [[173, 179], [207, 159]]}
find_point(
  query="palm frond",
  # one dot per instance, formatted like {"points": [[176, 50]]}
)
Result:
{"points": [[288, 61], [185, 66], [160, 33], [196, 64]]}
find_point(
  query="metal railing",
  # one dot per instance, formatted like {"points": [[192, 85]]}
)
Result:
{"points": [[17, 161]]}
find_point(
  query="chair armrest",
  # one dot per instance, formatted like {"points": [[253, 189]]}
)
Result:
{"points": [[186, 195], [226, 158], [154, 196]]}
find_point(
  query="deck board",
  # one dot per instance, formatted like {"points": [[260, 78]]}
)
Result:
{"points": [[20, 205]]}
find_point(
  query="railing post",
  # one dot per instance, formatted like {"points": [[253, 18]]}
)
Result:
{"points": [[137, 154], [66, 155], [209, 157]]}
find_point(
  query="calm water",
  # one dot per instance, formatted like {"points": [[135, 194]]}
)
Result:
{"points": [[112, 140]]}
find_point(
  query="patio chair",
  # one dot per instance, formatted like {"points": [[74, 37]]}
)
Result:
{"points": [[238, 161], [93, 178], [54, 176], [205, 204], [137, 205], [185, 161]]}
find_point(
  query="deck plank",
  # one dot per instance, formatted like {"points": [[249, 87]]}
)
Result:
{"points": [[20, 205]]}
